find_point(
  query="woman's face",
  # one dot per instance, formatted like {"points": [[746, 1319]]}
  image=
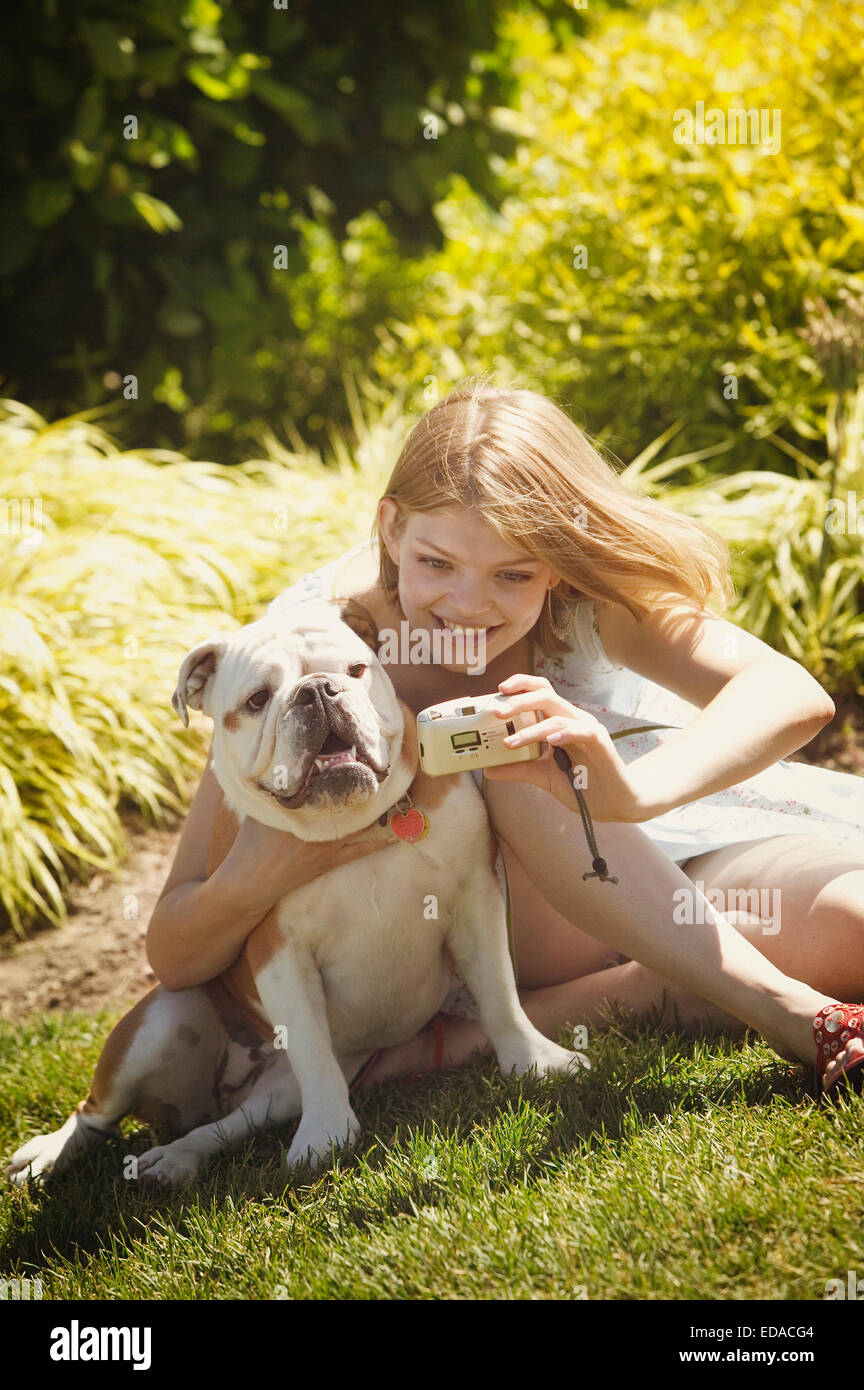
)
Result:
{"points": [[455, 570]]}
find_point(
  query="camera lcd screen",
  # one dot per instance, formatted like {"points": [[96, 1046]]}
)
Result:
{"points": [[469, 740]]}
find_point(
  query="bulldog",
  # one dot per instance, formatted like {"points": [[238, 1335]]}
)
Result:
{"points": [[310, 737]]}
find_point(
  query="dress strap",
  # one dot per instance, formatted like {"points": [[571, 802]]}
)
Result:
{"points": [[587, 634]]}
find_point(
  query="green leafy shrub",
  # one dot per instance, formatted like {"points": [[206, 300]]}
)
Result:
{"points": [[158, 153], [698, 258]]}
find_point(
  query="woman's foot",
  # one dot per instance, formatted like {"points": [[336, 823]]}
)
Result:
{"points": [[838, 1031], [807, 1029]]}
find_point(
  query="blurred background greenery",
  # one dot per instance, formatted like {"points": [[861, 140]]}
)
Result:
{"points": [[270, 238]]}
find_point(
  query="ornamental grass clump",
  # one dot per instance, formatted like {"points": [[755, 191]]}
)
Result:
{"points": [[111, 566]]}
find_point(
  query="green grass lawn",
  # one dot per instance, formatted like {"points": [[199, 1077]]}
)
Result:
{"points": [[675, 1169]]}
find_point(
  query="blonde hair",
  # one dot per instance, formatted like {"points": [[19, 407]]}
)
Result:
{"points": [[526, 468]]}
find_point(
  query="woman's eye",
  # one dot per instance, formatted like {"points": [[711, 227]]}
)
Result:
{"points": [[357, 668], [258, 700], [510, 576]]}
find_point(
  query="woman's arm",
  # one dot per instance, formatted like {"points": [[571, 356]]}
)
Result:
{"points": [[756, 706], [200, 923]]}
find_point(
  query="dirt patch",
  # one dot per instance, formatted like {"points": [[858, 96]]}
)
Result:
{"points": [[97, 960]]}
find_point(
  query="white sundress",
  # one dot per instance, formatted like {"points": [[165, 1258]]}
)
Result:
{"points": [[785, 799]]}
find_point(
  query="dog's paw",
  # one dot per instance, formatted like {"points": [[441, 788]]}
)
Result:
{"points": [[547, 1058], [168, 1166], [37, 1158], [315, 1139], [561, 1059]]}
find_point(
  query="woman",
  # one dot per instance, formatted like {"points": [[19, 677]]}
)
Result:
{"points": [[499, 516]]}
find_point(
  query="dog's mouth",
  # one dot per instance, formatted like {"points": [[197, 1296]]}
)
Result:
{"points": [[334, 754]]}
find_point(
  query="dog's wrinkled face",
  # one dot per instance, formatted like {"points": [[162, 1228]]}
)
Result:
{"points": [[305, 718]]}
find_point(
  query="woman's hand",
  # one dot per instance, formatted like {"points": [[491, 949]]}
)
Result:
{"points": [[269, 863], [601, 775]]}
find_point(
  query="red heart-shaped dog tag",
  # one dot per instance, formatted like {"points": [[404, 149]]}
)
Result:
{"points": [[410, 826]]}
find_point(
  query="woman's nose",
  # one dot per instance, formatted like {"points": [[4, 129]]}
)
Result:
{"points": [[468, 600]]}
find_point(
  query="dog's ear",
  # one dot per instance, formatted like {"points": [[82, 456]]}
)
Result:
{"points": [[360, 620], [197, 671]]}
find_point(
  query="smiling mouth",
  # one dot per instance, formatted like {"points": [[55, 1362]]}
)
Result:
{"points": [[464, 631]]}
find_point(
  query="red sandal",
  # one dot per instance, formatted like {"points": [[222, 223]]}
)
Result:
{"points": [[833, 1026], [369, 1065]]}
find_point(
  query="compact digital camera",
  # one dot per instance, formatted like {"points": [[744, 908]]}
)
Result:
{"points": [[461, 735]]}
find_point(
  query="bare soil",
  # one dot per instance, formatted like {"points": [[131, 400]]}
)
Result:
{"points": [[97, 960]]}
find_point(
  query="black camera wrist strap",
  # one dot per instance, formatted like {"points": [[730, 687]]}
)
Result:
{"points": [[599, 867]]}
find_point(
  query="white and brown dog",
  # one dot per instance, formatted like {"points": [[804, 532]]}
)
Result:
{"points": [[310, 737]]}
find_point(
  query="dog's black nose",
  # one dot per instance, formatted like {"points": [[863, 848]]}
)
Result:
{"points": [[315, 688]]}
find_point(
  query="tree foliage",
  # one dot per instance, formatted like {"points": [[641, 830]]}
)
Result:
{"points": [[159, 151]]}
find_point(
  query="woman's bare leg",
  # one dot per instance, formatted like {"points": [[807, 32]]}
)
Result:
{"points": [[556, 1007], [640, 915], [808, 897], [818, 890]]}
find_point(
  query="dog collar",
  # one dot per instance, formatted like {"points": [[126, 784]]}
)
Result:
{"points": [[406, 820]]}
